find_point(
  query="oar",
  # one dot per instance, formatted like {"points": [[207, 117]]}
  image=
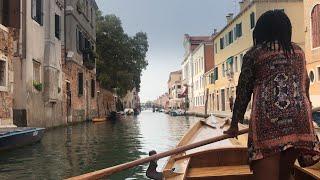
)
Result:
{"points": [[111, 170]]}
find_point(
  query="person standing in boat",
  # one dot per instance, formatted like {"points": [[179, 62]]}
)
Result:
{"points": [[281, 128]]}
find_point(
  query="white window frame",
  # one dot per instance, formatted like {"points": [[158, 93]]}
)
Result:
{"points": [[5, 88], [40, 70]]}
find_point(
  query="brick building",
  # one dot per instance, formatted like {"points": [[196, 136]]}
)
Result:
{"points": [[78, 65]]}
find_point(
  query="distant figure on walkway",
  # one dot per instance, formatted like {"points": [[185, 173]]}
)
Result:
{"points": [[281, 128], [231, 102]]}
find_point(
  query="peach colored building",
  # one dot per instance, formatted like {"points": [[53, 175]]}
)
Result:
{"points": [[312, 47]]}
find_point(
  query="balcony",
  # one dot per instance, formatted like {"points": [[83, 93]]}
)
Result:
{"points": [[89, 59]]}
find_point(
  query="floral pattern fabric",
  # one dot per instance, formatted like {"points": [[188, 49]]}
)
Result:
{"points": [[281, 115]]}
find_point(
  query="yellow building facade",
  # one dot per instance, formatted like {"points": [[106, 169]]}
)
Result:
{"points": [[312, 47], [235, 39]]}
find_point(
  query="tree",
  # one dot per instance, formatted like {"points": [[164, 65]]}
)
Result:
{"points": [[121, 59]]}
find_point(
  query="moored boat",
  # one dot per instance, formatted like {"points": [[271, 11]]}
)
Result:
{"points": [[19, 136], [98, 119]]}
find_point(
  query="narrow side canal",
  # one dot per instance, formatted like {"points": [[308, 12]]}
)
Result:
{"points": [[74, 150]]}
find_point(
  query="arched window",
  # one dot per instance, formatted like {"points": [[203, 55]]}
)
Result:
{"points": [[315, 24]]}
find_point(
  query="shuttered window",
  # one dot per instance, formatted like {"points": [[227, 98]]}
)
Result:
{"points": [[239, 30], [80, 84], [230, 37], [36, 11], [57, 31], [315, 21], [252, 20], [216, 74], [221, 43]]}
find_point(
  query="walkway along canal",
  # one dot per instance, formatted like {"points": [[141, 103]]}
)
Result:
{"points": [[74, 150]]}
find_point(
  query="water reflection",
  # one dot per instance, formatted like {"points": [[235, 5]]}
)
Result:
{"points": [[73, 150]]}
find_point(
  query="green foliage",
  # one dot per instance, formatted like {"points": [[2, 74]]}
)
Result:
{"points": [[37, 85], [120, 58]]}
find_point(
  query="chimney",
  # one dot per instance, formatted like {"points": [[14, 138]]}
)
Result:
{"points": [[229, 17], [241, 4], [215, 31]]}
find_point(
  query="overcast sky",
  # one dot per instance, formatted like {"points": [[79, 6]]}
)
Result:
{"points": [[166, 22]]}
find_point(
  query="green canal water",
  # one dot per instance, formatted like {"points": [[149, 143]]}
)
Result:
{"points": [[74, 150]]}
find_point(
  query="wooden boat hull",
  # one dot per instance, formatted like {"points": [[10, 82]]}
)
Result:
{"points": [[98, 119], [16, 137], [226, 159]]}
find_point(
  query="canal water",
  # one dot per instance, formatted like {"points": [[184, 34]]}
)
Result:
{"points": [[74, 150]]}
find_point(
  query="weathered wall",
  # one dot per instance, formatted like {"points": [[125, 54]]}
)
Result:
{"points": [[6, 93], [106, 102], [32, 107], [83, 106]]}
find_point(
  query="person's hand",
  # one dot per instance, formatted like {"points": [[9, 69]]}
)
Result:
{"points": [[232, 131]]}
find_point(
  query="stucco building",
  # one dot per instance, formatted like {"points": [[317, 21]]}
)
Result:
{"points": [[202, 62], [312, 47], [174, 89], [190, 43], [37, 67], [79, 66], [235, 39], [131, 99]]}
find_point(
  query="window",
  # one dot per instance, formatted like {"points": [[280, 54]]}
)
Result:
{"points": [[91, 15], [311, 76], [216, 73], [223, 70], [3, 73], [36, 11], [315, 26], [230, 36], [318, 71], [179, 86], [93, 88], [36, 71], [252, 20], [239, 30], [235, 33], [80, 84], [235, 64], [221, 43], [82, 42], [57, 26]]}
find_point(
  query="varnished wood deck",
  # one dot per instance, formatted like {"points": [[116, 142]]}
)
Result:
{"points": [[223, 160]]}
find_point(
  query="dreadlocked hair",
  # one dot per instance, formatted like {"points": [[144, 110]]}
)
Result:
{"points": [[274, 27]]}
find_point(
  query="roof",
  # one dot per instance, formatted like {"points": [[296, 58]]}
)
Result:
{"points": [[176, 72], [234, 19], [197, 39]]}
